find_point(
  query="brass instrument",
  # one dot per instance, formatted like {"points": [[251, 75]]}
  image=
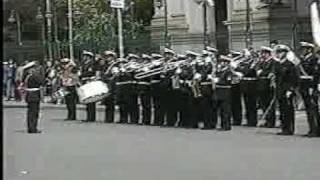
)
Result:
{"points": [[196, 86], [163, 67]]}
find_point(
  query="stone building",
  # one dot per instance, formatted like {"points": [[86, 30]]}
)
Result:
{"points": [[227, 23]]}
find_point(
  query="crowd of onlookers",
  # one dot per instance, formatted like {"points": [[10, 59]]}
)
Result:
{"points": [[13, 85]]}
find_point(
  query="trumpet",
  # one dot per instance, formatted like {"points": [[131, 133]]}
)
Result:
{"points": [[164, 67]]}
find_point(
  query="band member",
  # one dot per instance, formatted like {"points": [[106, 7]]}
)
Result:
{"points": [[69, 80], [108, 76], [287, 81], [266, 71], [207, 86], [161, 86], [222, 95], [88, 73], [144, 90], [236, 94], [156, 92], [126, 93], [182, 92], [309, 77], [168, 92], [33, 79], [248, 87]]}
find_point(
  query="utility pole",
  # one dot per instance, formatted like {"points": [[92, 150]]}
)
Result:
{"points": [[55, 32], [167, 44], [120, 35], [295, 25], [248, 25], [49, 25], [205, 26], [71, 55]]}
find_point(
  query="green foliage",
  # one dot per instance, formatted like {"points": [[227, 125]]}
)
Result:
{"points": [[96, 26]]}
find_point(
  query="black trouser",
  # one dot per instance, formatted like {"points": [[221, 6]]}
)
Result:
{"points": [[122, 101], [172, 107], [71, 102], [133, 106], [158, 118], [250, 99], [286, 111], [109, 109], [160, 101], [222, 102], [145, 97], [185, 109], [266, 95], [311, 106], [91, 112], [236, 105], [33, 115]]}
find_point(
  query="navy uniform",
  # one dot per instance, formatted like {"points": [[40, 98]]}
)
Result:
{"points": [[236, 94], [127, 97], [161, 86], [33, 79], [144, 90], [69, 80], [287, 80], [157, 92], [309, 77], [108, 76], [88, 73], [248, 88], [182, 93], [207, 86], [222, 94], [266, 70]]}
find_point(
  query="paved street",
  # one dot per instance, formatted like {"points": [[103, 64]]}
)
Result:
{"points": [[97, 151]]}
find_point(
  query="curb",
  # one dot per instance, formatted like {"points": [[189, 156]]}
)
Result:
{"points": [[48, 107]]}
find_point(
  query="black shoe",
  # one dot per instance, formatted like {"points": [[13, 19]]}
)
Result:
{"points": [[285, 133], [207, 128], [69, 119], [236, 124], [34, 132], [224, 129], [250, 125], [310, 135]]}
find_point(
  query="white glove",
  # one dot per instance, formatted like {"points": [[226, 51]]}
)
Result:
{"points": [[319, 87], [178, 71], [239, 74], [288, 94], [209, 77], [259, 72], [197, 76], [233, 64]]}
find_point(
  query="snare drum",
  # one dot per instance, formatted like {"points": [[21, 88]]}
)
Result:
{"points": [[93, 91]]}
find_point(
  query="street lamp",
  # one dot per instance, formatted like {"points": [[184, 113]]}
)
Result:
{"points": [[205, 3], [160, 4], [49, 15], [15, 18], [40, 19]]}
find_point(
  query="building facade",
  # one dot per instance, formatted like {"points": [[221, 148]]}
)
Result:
{"points": [[233, 24]]}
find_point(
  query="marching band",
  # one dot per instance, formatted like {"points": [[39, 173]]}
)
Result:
{"points": [[175, 90]]}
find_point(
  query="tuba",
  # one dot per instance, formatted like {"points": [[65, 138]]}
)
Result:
{"points": [[315, 21]]}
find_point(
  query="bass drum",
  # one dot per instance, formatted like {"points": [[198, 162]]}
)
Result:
{"points": [[93, 91]]}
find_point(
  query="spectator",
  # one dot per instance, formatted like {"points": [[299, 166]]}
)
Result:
{"points": [[4, 80], [10, 79], [18, 81]]}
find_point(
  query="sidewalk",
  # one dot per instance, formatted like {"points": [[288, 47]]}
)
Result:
{"points": [[15, 104]]}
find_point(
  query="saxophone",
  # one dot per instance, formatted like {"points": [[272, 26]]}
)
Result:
{"points": [[196, 86]]}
